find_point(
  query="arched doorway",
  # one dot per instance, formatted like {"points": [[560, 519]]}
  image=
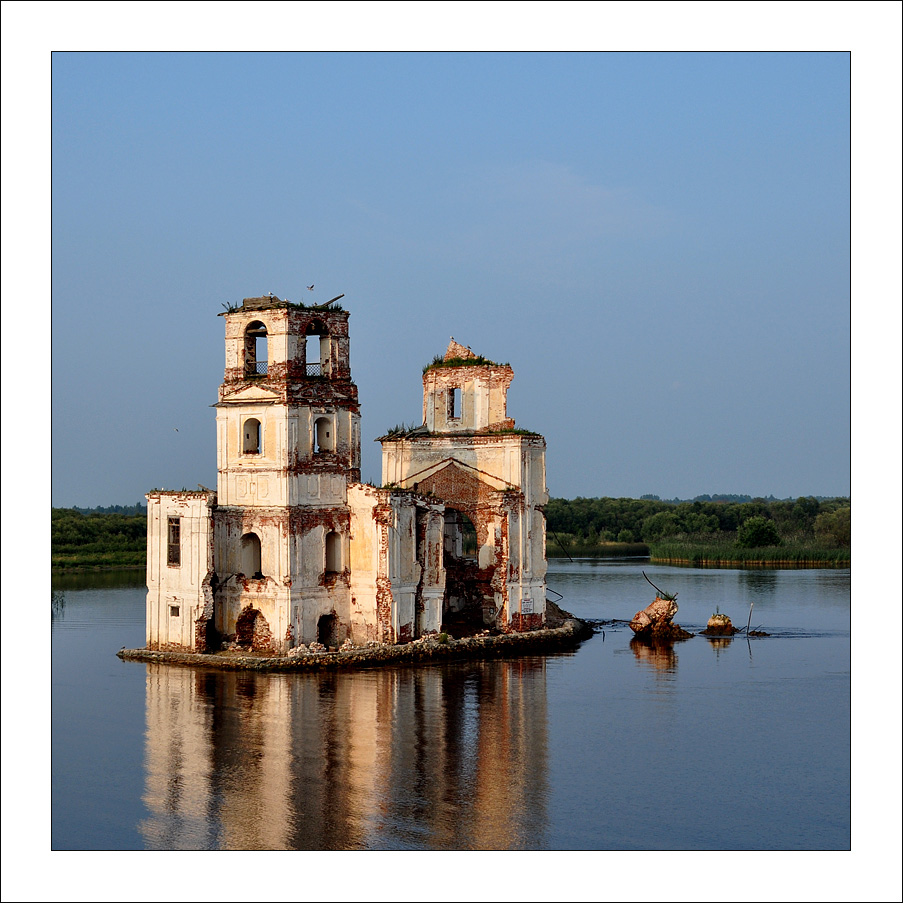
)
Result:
{"points": [[466, 586], [326, 630]]}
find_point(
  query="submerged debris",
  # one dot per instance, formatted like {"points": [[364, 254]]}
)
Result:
{"points": [[719, 625], [655, 621]]}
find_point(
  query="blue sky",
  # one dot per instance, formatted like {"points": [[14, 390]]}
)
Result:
{"points": [[658, 243]]}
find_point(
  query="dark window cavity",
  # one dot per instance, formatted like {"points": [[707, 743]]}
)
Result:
{"points": [[333, 553], [173, 542]]}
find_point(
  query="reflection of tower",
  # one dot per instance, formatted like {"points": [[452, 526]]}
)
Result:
{"points": [[467, 761], [429, 758], [252, 740], [336, 723], [509, 814], [179, 766]]}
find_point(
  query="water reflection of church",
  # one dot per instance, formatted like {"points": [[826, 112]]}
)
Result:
{"points": [[425, 758], [292, 548]]}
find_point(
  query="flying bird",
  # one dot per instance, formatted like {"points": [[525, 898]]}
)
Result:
{"points": [[310, 288], [175, 429]]}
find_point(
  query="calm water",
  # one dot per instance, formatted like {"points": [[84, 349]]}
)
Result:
{"points": [[729, 745]]}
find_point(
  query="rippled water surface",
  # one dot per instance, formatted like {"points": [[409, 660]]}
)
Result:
{"points": [[733, 744]]}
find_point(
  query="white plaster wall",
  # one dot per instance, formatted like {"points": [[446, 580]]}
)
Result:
{"points": [[365, 558], [252, 479], [169, 585]]}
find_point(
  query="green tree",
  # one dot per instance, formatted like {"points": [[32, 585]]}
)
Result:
{"points": [[833, 527], [660, 525], [758, 532], [697, 522]]}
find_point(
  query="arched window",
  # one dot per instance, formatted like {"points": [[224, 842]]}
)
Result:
{"points": [[250, 556], [316, 349], [333, 553], [256, 350], [251, 436], [324, 435]]}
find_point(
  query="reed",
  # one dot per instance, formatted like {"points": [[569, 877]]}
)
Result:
{"points": [[572, 548], [726, 554], [92, 558]]}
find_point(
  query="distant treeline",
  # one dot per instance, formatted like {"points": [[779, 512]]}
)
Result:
{"points": [[799, 530], [99, 537], [139, 508], [791, 531], [731, 498]]}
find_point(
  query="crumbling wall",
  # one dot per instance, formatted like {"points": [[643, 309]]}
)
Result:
{"points": [[484, 397], [398, 577]]}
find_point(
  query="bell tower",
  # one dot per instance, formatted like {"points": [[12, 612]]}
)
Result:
{"points": [[288, 444]]}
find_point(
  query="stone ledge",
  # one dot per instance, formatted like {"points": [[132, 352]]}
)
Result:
{"points": [[572, 632]]}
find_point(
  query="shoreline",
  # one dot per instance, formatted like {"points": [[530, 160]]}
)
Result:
{"points": [[424, 651], [778, 565]]}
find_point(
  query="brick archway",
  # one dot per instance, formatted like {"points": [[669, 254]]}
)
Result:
{"points": [[252, 631]]}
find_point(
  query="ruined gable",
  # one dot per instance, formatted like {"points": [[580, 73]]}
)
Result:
{"points": [[459, 485], [456, 351]]}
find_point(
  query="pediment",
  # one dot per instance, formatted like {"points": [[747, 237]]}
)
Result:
{"points": [[456, 483], [253, 394]]}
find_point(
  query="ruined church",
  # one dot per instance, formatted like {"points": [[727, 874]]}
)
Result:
{"points": [[293, 549]]}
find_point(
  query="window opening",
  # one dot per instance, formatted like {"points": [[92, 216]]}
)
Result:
{"points": [[316, 349], [454, 404], [251, 434], [250, 556], [460, 535], [324, 438], [173, 542], [256, 349], [312, 355], [333, 553], [174, 611]]}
